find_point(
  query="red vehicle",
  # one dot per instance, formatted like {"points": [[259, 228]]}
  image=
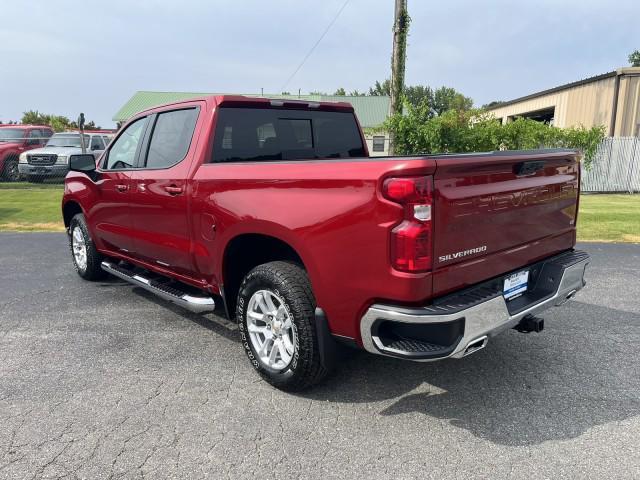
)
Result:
{"points": [[15, 139], [274, 209]]}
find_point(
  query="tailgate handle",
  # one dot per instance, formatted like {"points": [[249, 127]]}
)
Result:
{"points": [[527, 168]]}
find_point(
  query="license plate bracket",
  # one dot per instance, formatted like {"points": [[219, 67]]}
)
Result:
{"points": [[515, 284]]}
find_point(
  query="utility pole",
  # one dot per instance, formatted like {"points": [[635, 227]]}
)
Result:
{"points": [[398, 57]]}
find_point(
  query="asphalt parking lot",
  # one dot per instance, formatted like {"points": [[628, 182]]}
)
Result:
{"points": [[105, 381]]}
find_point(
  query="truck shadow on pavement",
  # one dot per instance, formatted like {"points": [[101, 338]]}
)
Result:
{"points": [[580, 373], [522, 389]]}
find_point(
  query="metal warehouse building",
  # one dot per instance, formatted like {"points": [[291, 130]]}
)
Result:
{"points": [[611, 99]]}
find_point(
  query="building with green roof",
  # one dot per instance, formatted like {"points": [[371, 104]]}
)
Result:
{"points": [[372, 111]]}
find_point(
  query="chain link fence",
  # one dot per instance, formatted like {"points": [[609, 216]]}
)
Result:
{"points": [[615, 167]]}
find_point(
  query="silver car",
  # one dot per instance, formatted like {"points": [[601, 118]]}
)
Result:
{"points": [[52, 160]]}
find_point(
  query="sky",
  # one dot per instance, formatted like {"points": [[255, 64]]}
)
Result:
{"points": [[67, 56]]}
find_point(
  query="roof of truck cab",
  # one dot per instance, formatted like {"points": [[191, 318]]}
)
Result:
{"points": [[371, 111], [245, 101], [23, 126]]}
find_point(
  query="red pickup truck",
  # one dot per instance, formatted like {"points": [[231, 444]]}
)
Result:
{"points": [[16, 139], [274, 210]]}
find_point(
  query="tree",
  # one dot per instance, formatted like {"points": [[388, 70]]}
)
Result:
{"points": [[634, 58], [317, 92], [445, 99], [59, 123], [495, 103], [439, 100], [340, 92], [381, 89]]}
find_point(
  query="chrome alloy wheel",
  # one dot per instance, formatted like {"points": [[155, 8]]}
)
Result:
{"points": [[271, 329], [79, 248]]}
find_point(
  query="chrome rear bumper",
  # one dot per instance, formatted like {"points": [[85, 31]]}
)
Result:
{"points": [[478, 313]]}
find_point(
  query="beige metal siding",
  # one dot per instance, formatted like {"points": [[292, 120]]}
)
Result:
{"points": [[587, 105], [590, 105], [588, 102], [628, 115], [556, 100]]}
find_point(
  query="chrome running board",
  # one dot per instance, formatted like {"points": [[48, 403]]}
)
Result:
{"points": [[193, 303]]}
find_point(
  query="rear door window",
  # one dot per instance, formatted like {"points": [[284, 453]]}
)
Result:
{"points": [[261, 134], [171, 137], [96, 143], [35, 137]]}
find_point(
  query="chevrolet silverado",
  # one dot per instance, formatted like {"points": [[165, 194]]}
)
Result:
{"points": [[273, 210]]}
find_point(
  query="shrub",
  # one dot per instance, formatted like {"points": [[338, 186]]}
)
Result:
{"points": [[416, 131]]}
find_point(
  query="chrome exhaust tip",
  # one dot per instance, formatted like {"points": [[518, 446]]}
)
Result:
{"points": [[475, 345]]}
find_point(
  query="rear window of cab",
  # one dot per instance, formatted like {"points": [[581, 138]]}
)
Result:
{"points": [[270, 134]]}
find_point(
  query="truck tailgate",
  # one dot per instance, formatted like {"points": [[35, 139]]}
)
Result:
{"points": [[511, 207]]}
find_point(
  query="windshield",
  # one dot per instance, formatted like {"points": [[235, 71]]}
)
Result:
{"points": [[67, 141], [11, 134]]}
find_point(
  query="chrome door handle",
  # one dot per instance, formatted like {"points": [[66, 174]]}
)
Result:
{"points": [[173, 189]]}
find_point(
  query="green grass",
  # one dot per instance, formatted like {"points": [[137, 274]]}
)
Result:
{"points": [[609, 218], [30, 186], [26, 207]]}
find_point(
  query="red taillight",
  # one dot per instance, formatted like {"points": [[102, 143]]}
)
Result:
{"points": [[411, 241]]}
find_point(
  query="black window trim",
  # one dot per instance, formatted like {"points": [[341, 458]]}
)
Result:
{"points": [[107, 151], [141, 163]]}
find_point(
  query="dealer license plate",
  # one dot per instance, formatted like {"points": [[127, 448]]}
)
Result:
{"points": [[515, 285]]}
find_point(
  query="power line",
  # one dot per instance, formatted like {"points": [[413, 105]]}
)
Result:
{"points": [[314, 45]]}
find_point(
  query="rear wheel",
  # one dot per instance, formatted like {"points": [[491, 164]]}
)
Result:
{"points": [[85, 256], [11, 172], [275, 313]]}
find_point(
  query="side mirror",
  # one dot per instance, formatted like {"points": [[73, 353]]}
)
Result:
{"points": [[85, 163]]}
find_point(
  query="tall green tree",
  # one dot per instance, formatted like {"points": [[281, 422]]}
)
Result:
{"points": [[340, 92], [381, 89], [439, 100], [634, 58], [59, 123], [495, 103]]}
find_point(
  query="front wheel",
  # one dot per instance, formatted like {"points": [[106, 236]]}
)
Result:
{"points": [[85, 256], [11, 172], [275, 313]]}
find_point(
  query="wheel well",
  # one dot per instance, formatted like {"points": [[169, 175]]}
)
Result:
{"points": [[244, 253], [70, 210]]}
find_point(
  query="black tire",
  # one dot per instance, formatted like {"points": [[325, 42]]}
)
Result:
{"points": [[11, 172], [290, 282], [92, 270], [35, 179]]}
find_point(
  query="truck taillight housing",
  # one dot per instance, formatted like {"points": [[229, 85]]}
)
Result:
{"points": [[412, 240]]}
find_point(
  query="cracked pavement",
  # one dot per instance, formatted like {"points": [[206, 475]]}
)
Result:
{"points": [[104, 380]]}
